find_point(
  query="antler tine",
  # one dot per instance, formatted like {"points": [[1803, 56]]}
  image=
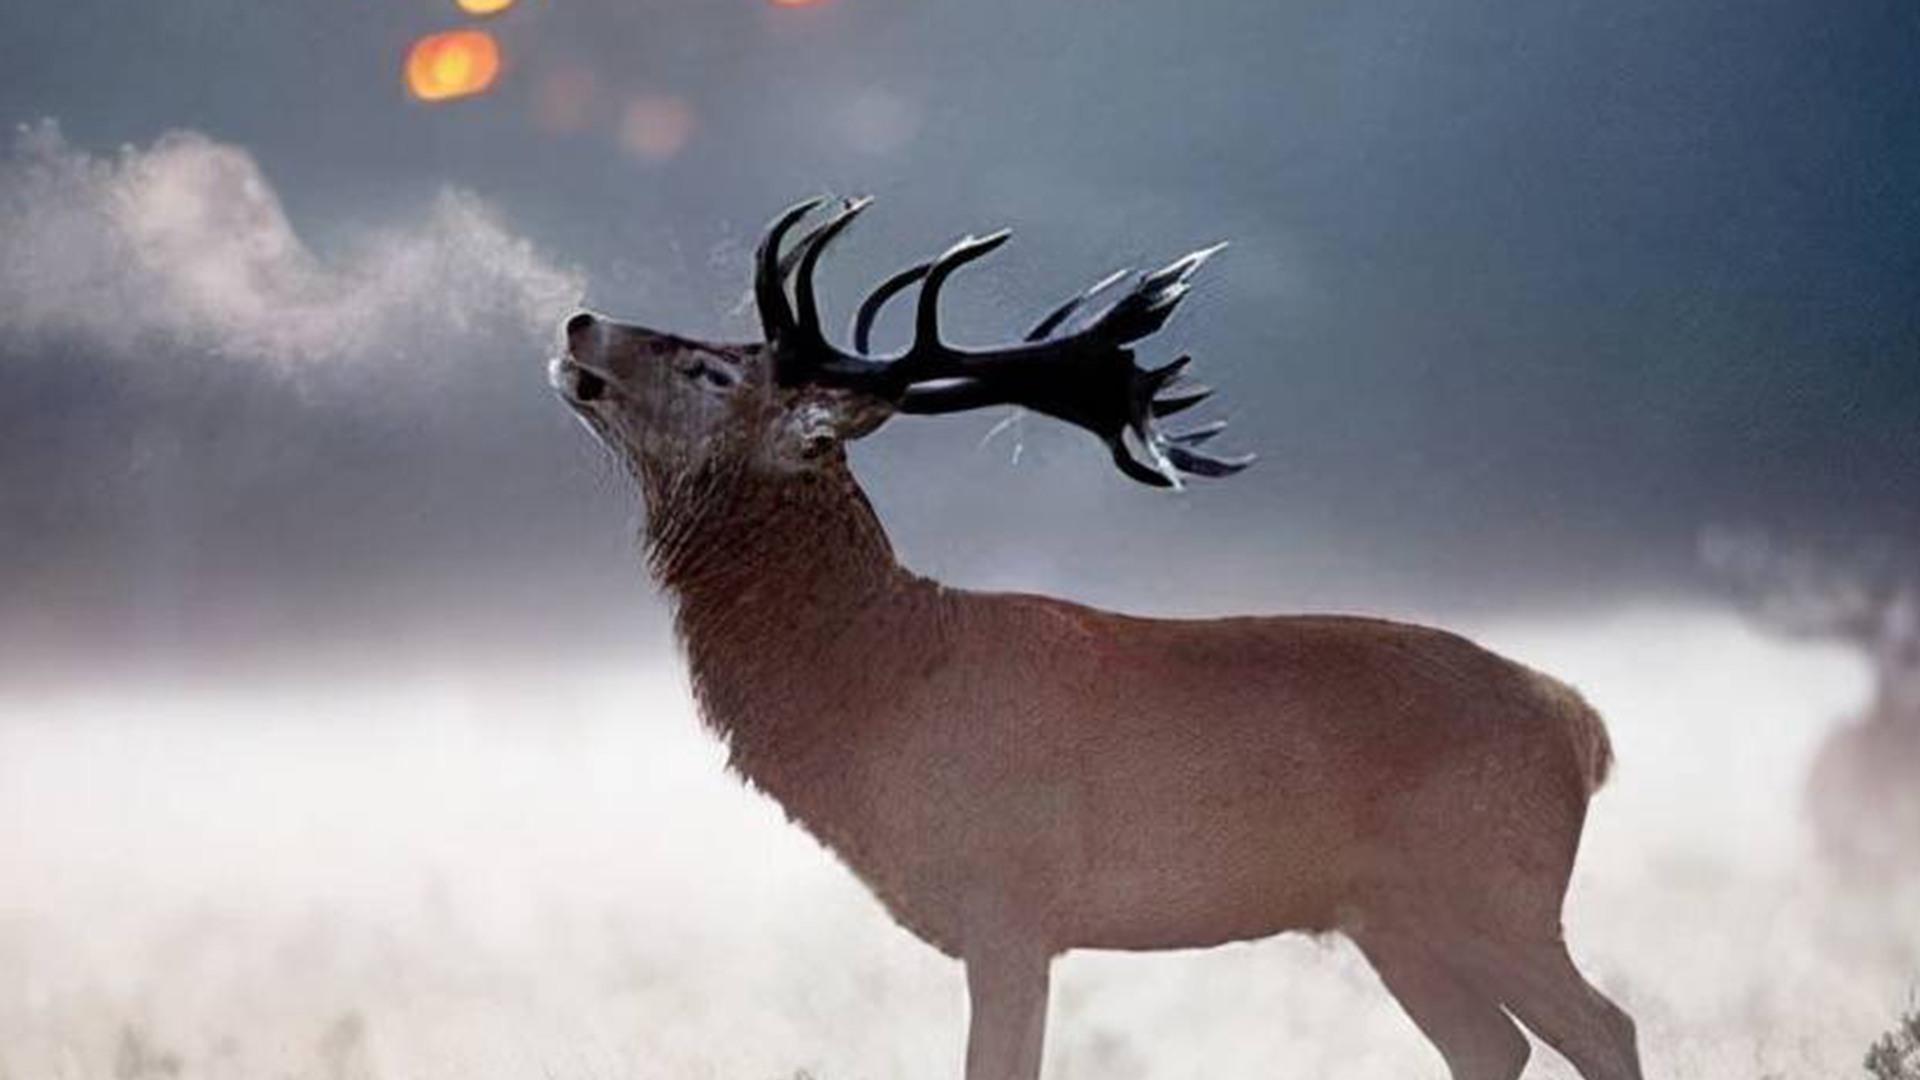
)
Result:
{"points": [[1182, 269], [1196, 436], [877, 299], [769, 288], [1065, 311], [1146, 307], [811, 247], [1174, 452], [1180, 400], [926, 327], [791, 259], [934, 272], [1195, 463], [1145, 474], [1165, 373]]}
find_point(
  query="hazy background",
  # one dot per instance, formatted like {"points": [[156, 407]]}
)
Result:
{"points": [[341, 734]]}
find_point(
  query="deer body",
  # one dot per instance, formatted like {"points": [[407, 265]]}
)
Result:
{"points": [[1015, 776], [1863, 790], [1863, 794], [1008, 764]]}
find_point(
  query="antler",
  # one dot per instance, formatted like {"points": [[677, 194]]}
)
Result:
{"points": [[1799, 593], [1081, 373]]}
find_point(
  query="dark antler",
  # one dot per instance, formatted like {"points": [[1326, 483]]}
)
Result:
{"points": [[1083, 374]]}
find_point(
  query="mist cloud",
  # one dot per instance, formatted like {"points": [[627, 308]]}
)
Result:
{"points": [[212, 422], [184, 244], [541, 867]]}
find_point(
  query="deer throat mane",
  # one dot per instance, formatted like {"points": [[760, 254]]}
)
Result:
{"points": [[779, 584]]}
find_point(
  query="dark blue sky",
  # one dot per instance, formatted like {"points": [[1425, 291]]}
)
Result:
{"points": [[1522, 294]]}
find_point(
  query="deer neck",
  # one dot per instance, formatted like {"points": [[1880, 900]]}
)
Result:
{"points": [[787, 595]]}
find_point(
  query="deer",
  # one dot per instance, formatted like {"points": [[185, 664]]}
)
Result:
{"points": [[1015, 776], [1862, 790]]}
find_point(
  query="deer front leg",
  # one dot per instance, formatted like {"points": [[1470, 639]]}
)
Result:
{"points": [[1007, 1021]]}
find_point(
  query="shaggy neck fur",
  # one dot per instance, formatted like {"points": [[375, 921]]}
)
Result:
{"points": [[790, 605]]}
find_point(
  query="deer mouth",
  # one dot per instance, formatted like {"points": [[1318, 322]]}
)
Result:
{"points": [[587, 386], [578, 384]]}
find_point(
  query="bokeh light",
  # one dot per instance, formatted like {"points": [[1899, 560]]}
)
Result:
{"points": [[454, 64], [484, 7], [655, 127]]}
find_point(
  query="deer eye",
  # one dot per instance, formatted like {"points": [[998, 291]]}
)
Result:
{"points": [[712, 374]]}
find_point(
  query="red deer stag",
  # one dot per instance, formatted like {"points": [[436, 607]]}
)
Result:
{"points": [[1014, 776], [1863, 791]]}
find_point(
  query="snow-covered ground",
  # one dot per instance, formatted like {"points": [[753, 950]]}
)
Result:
{"points": [[480, 872]]}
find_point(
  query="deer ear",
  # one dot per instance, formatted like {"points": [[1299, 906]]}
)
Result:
{"points": [[821, 419]]}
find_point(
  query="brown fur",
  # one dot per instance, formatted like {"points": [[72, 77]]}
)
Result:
{"points": [[1864, 788], [1015, 776]]}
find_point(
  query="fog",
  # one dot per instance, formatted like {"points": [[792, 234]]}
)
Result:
{"points": [[544, 870]]}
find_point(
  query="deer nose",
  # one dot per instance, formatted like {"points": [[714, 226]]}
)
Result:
{"points": [[577, 327]]}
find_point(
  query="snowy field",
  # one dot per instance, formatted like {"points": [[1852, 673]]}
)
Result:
{"points": [[546, 875]]}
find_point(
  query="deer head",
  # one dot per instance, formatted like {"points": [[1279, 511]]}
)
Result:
{"points": [[676, 408], [1873, 606]]}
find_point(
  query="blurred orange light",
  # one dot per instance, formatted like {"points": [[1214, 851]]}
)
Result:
{"points": [[484, 7], [793, 3], [454, 64]]}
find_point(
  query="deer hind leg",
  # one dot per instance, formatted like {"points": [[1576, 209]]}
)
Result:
{"points": [[1536, 980], [1468, 1027], [1007, 1022]]}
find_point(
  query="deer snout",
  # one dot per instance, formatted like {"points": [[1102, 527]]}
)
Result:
{"points": [[603, 353], [593, 338], [579, 325], [584, 338], [574, 374]]}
